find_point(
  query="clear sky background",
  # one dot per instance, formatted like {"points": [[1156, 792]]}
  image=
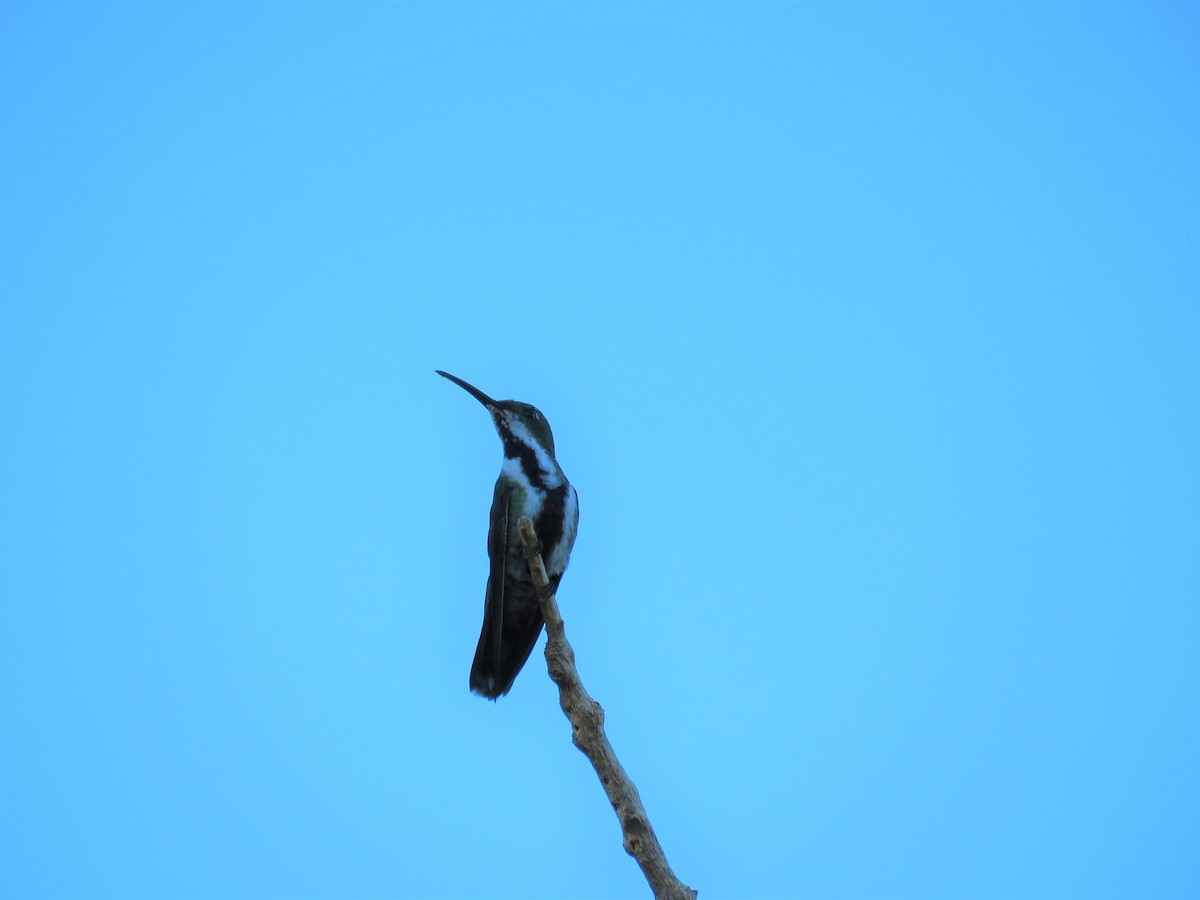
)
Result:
{"points": [[869, 337]]}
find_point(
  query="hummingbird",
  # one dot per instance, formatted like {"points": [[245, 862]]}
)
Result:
{"points": [[530, 484]]}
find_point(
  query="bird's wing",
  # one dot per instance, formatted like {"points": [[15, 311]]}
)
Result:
{"points": [[497, 552]]}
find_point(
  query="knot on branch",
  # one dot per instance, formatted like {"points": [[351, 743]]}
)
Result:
{"points": [[559, 664], [634, 823], [633, 846]]}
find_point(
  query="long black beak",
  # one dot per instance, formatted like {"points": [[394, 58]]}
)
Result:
{"points": [[470, 389]]}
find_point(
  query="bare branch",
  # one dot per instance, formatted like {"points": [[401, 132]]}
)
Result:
{"points": [[587, 733]]}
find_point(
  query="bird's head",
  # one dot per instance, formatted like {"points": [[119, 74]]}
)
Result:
{"points": [[512, 418]]}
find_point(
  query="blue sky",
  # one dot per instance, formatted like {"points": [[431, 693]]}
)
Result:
{"points": [[869, 337]]}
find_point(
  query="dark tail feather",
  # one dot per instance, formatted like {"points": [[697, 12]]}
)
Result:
{"points": [[497, 663]]}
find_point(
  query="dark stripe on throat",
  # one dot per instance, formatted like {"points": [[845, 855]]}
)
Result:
{"points": [[523, 453]]}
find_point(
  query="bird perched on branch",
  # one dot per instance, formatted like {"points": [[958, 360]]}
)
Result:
{"points": [[530, 484]]}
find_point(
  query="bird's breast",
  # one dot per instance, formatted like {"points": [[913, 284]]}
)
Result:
{"points": [[558, 554]]}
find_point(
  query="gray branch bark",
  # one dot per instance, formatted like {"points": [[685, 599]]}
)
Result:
{"points": [[587, 733]]}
